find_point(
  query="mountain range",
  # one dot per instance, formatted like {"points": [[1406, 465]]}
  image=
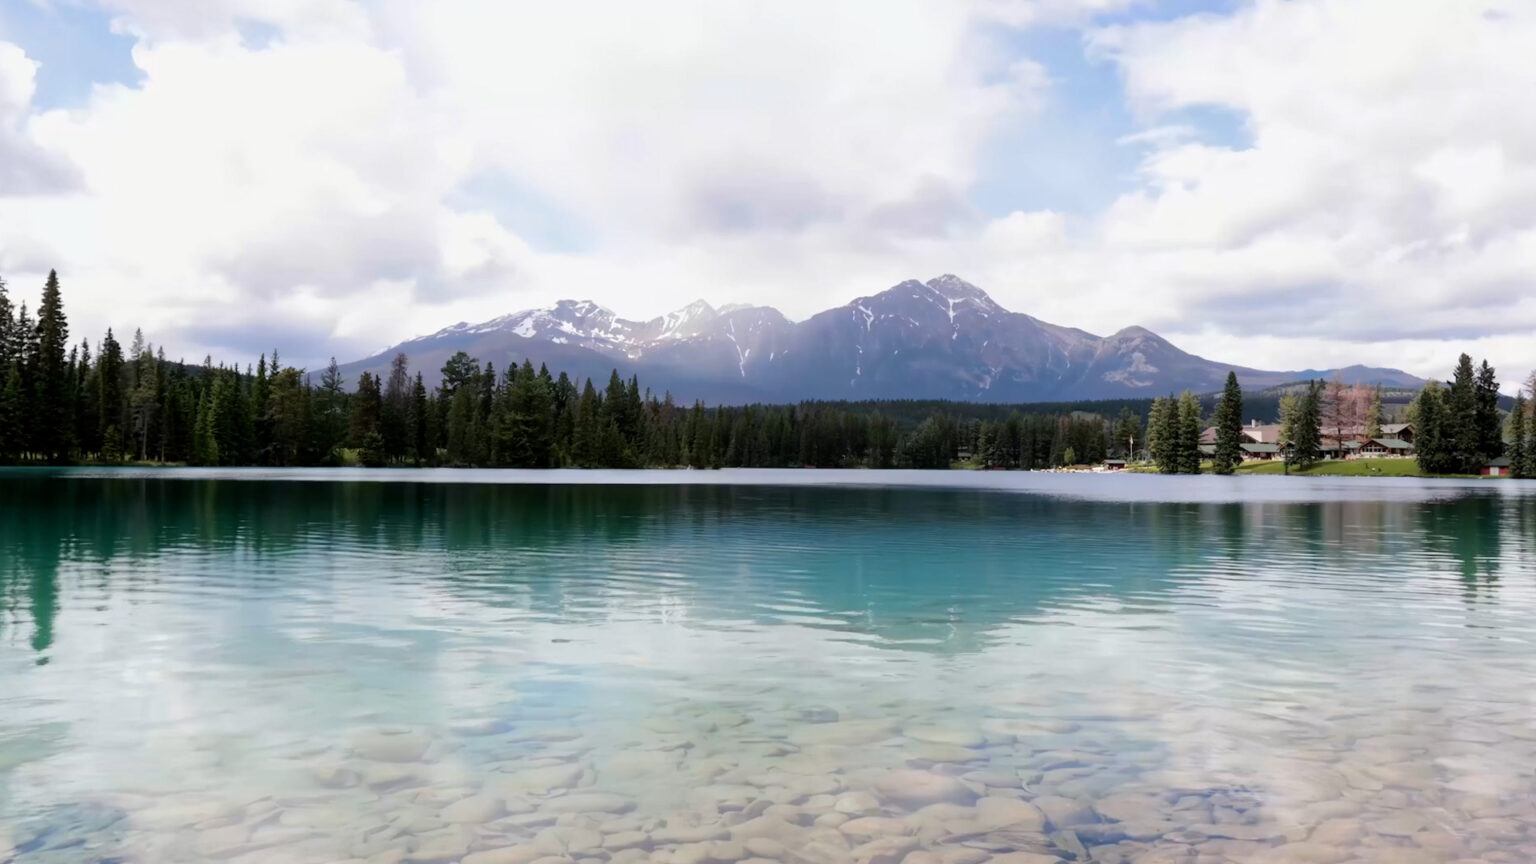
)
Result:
{"points": [[940, 339]]}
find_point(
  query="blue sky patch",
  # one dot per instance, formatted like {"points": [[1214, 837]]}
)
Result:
{"points": [[74, 46]]}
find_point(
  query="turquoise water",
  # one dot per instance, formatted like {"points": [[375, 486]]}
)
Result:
{"points": [[805, 667]]}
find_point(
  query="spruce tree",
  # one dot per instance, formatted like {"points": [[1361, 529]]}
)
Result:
{"points": [[533, 410], [109, 387], [11, 405], [461, 411], [332, 421], [419, 450], [1162, 437], [1229, 428], [1530, 439], [395, 410], [8, 345], [261, 397], [1490, 428], [1460, 433], [1519, 455], [1306, 447], [1429, 431], [585, 438], [371, 453], [144, 396], [1373, 415], [365, 410], [1188, 434], [53, 427], [205, 448]]}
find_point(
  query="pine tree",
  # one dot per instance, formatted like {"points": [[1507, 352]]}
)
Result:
{"points": [[1530, 432], [533, 412], [1430, 430], [371, 453], [1188, 457], [1162, 436], [332, 420], [144, 395], [205, 447], [8, 346], [1460, 428], [289, 417], [420, 451], [615, 407], [109, 387], [52, 430], [461, 413], [1519, 455], [261, 397], [164, 405], [1305, 428], [1490, 428], [1373, 415], [1229, 428], [586, 436], [395, 411], [11, 405], [365, 410]]}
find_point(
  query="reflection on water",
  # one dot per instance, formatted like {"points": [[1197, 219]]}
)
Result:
{"points": [[261, 670]]}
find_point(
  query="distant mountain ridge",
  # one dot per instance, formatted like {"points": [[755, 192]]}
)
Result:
{"points": [[940, 339]]}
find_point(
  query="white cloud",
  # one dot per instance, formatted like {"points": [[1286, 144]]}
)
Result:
{"points": [[25, 167], [1391, 171], [296, 163]]}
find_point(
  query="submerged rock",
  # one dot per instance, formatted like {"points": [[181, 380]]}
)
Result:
{"points": [[873, 826], [857, 804], [506, 855], [945, 735], [1129, 808], [474, 810], [994, 813], [1065, 812], [844, 732], [589, 802], [913, 788], [884, 850], [389, 745], [1027, 858]]}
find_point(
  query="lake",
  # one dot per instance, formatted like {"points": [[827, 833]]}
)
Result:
{"points": [[802, 667]]}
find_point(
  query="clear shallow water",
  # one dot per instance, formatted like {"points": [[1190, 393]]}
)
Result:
{"points": [[239, 666]]}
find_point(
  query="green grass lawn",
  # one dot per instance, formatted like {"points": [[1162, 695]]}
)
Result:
{"points": [[1387, 467]]}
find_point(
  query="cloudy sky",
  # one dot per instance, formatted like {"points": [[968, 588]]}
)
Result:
{"points": [[1282, 184]]}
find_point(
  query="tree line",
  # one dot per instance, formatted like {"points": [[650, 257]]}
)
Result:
{"points": [[63, 402], [1459, 427]]}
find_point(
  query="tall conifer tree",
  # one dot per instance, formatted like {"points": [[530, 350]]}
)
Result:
{"points": [[53, 430], [1519, 455], [1229, 428], [1490, 428], [1188, 434], [1460, 429]]}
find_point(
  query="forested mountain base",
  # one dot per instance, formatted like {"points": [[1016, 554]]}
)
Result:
{"points": [[63, 404]]}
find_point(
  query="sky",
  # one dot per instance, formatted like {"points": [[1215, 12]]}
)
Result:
{"points": [[1278, 183]]}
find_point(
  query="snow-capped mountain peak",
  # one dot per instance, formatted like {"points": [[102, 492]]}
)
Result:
{"points": [[944, 338]]}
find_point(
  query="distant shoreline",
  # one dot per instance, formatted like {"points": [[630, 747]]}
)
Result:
{"points": [[1367, 468]]}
